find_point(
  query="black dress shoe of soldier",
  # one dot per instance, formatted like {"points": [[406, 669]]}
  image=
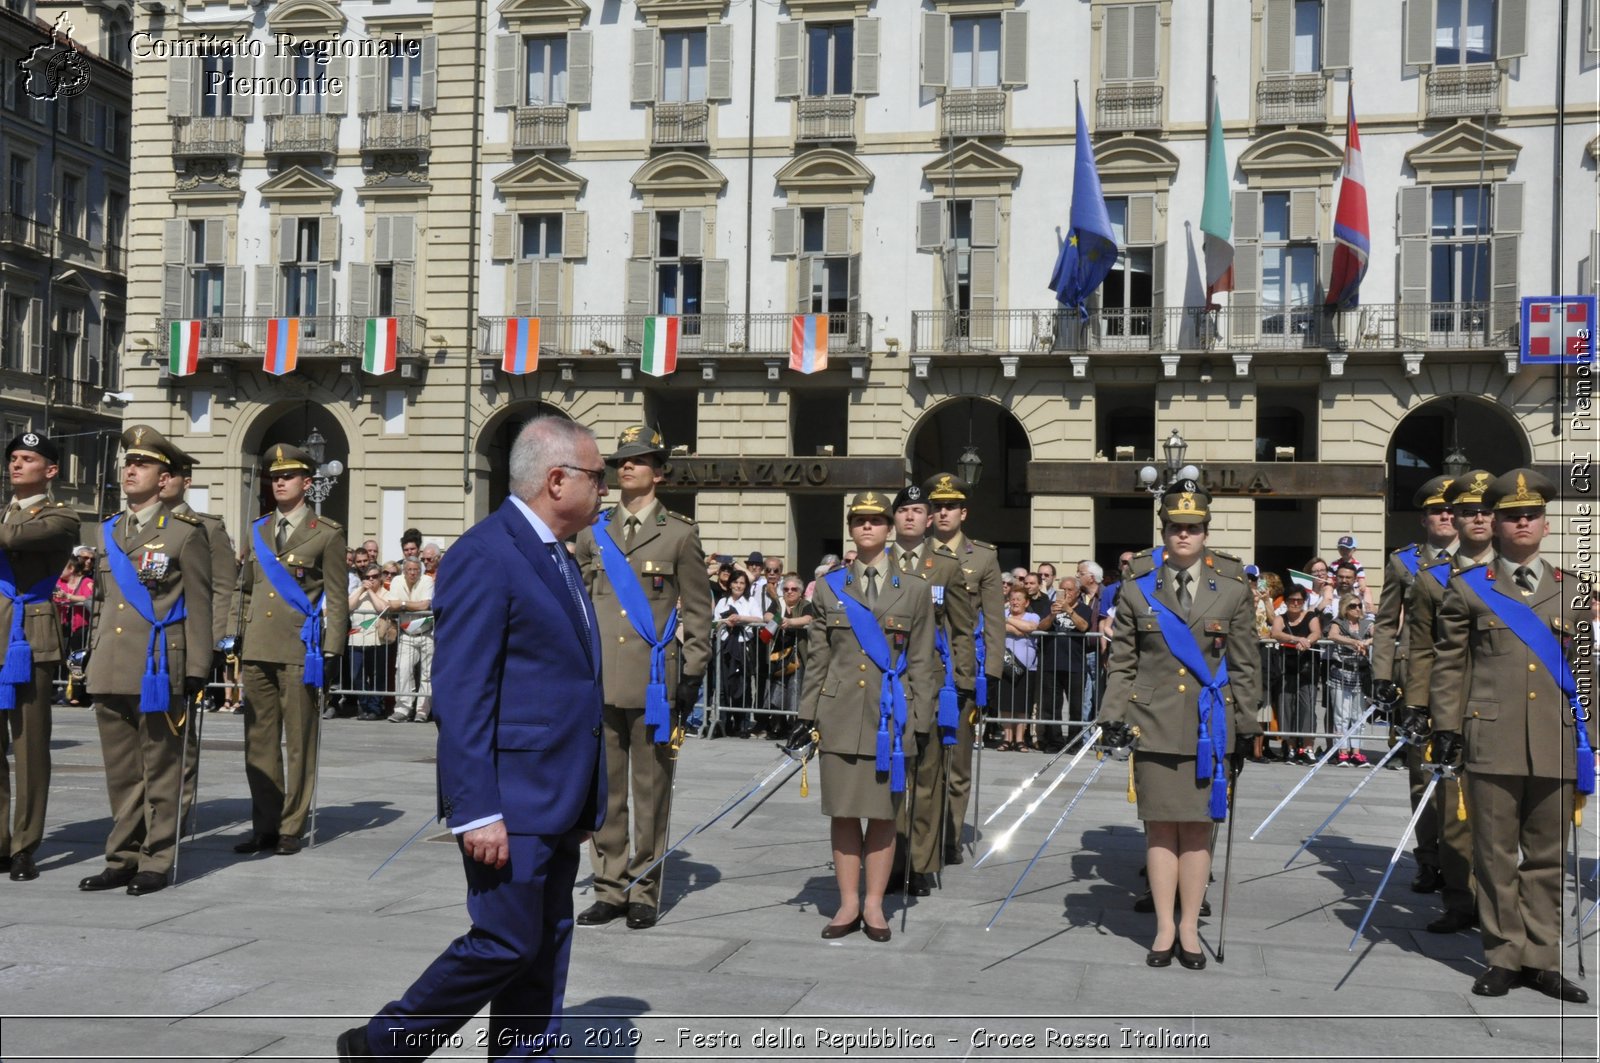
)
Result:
{"points": [[1495, 982], [1551, 984], [147, 882], [257, 843], [1453, 923], [1428, 880], [921, 884], [109, 879], [23, 869], [288, 845], [600, 913], [641, 917]]}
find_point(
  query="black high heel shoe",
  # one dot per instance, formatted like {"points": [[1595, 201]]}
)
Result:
{"points": [[1194, 961], [1161, 957]]}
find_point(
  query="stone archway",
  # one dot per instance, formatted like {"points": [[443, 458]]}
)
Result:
{"points": [[1487, 434], [293, 422], [999, 509]]}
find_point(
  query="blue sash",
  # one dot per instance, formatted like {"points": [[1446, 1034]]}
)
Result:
{"points": [[1535, 634], [630, 592], [891, 756], [1211, 751], [155, 692], [949, 702], [18, 667], [980, 650], [1411, 558], [289, 590]]}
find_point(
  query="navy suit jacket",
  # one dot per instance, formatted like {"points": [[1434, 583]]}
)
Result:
{"points": [[516, 685]]}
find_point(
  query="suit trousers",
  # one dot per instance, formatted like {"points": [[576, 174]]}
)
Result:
{"points": [[280, 722], [514, 958], [637, 765], [1519, 902], [142, 751], [958, 771], [413, 675], [29, 725], [921, 833]]}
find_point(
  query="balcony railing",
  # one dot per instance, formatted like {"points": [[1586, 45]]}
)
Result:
{"points": [[193, 137], [84, 394], [681, 124], [1463, 90], [317, 133], [618, 335], [1128, 105], [19, 230], [1387, 326], [543, 126], [1290, 100], [395, 131], [244, 339], [974, 112], [827, 118]]}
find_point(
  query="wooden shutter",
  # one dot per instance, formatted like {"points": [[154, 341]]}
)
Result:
{"points": [[367, 98], [1336, 29], [404, 237], [328, 239], [1244, 307], [868, 50], [1511, 33], [804, 274], [383, 238], [787, 69], [173, 291], [1504, 255], [574, 234], [853, 338], [1419, 42], [1115, 32], [266, 283], [983, 265], [1014, 48], [402, 290], [1412, 207], [506, 63], [182, 72], [1594, 263], [785, 232], [1278, 52], [216, 242], [1593, 9], [719, 61], [503, 238], [1145, 64], [580, 67], [325, 302], [175, 240], [522, 276], [272, 67], [244, 105], [930, 225], [1141, 219], [1303, 215], [430, 73], [547, 288], [985, 223], [640, 279], [691, 233], [1413, 211], [337, 102], [288, 235], [640, 246], [836, 231], [1246, 215], [36, 335], [714, 302], [1507, 207], [1158, 295], [643, 80], [361, 286], [935, 50]]}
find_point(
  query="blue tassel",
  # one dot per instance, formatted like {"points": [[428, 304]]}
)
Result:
{"points": [[897, 772], [881, 761], [949, 708], [19, 660], [313, 676], [8, 697], [155, 693], [947, 737], [655, 712], [1219, 797]]}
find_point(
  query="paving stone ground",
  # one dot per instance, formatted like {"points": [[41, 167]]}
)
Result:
{"points": [[270, 957]]}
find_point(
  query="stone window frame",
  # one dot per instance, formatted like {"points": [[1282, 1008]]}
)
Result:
{"points": [[538, 186]]}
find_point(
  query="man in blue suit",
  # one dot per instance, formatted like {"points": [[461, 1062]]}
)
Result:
{"points": [[522, 779]]}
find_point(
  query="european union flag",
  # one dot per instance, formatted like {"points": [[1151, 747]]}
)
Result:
{"points": [[1090, 250]]}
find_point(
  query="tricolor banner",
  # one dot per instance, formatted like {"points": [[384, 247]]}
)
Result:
{"points": [[377, 356], [660, 354], [283, 345], [183, 353], [808, 343], [522, 345], [1351, 232]]}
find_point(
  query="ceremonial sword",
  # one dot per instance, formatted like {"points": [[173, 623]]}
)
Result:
{"points": [[1005, 836], [1321, 762], [1029, 781], [1400, 744], [1394, 858]]}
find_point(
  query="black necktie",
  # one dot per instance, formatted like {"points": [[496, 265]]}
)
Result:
{"points": [[283, 532], [1524, 578], [559, 554], [872, 586], [1184, 599]]}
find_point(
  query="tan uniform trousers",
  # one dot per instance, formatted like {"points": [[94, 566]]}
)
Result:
{"points": [[635, 765], [279, 711], [1519, 903], [1455, 846], [30, 739], [926, 804], [142, 751], [1428, 824], [958, 774]]}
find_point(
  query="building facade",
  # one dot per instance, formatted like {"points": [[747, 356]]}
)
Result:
{"points": [[903, 168]]}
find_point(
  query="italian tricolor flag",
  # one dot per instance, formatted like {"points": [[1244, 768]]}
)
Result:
{"points": [[660, 354], [377, 357], [183, 352]]}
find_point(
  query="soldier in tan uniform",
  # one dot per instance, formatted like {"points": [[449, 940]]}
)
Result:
{"points": [[1500, 711], [1390, 648], [867, 754], [663, 551], [301, 557], [955, 617], [36, 538], [150, 654], [1181, 769], [981, 587], [1475, 546]]}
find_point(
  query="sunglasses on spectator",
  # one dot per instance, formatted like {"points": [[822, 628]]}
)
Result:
{"points": [[372, 575]]}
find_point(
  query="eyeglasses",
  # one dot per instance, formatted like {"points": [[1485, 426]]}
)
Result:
{"points": [[373, 575], [598, 476], [791, 590], [1514, 516], [774, 571]]}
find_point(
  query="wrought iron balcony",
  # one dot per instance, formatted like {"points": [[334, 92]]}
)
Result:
{"points": [[244, 339], [826, 118], [1291, 100], [395, 131], [614, 336], [198, 137], [19, 230], [1128, 105], [83, 394], [543, 126], [681, 124], [974, 112], [310, 133], [1463, 90], [410, 336]]}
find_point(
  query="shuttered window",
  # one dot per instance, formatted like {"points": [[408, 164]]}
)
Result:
{"points": [[1133, 289], [830, 50], [1129, 39], [975, 52], [545, 66], [684, 68]]}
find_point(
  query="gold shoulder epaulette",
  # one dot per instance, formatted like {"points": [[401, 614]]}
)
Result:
{"points": [[1436, 562], [1396, 553], [982, 545], [1142, 562], [330, 522], [1225, 554], [687, 520], [188, 518]]}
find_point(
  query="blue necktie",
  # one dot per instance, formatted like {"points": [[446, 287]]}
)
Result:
{"points": [[559, 553]]}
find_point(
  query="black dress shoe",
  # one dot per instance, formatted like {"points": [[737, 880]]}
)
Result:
{"points": [[1160, 957], [1205, 907], [1453, 923], [353, 1045], [1194, 961], [600, 913], [109, 879], [953, 856], [921, 884], [876, 933], [1551, 984], [23, 868], [257, 843], [1145, 904], [839, 930], [1428, 880], [641, 917], [147, 882], [1495, 982], [288, 845]]}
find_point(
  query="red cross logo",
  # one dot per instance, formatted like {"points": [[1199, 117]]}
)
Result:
{"points": [[1558, 328]]}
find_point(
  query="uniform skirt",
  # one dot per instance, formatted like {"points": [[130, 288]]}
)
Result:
{"points": [[853, 788], [1168, 792]]}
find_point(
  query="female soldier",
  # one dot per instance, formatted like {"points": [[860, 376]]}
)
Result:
{"points": [[1185, 672], [870, 689]]}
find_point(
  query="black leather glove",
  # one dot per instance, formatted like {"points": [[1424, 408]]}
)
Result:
{"points": [[1116, 733], [922, 742], [1416, 721], [1235, 762], [1384, 692], [192, 686], [800, 737], [1448, 750], [687, 694]]}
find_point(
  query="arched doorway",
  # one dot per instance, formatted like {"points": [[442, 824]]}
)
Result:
{"points": [[294, 424], [998, 509], [1422, 445], [493, 482]]}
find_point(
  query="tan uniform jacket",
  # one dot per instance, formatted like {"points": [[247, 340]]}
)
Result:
{"points": [[224, 570], [314, 556], [38, 541], [1390, 624], [119, 650], [842, 686], [1421, 633], [979, 587], [954, 611], [1147, 687], [667, 559], [1488, 684]]}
